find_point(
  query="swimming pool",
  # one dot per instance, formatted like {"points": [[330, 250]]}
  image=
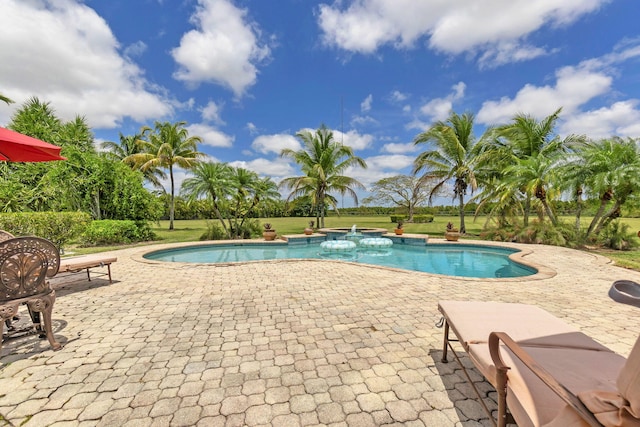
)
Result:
{"points": [[451, 260]]}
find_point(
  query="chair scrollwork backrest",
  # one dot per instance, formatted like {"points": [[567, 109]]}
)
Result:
{"points": [[25, 264], [5, 235]]}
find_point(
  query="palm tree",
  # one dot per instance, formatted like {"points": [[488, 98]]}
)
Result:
{"points": [[452, 157], [168, 145], [535, 175], [123, 152], [522, 139], [5, 99], [322, 160], [212, 180], [614, 174]]}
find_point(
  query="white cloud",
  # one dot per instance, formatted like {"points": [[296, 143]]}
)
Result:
{"points": [[379, 167], [397, 96], [509, 51], [621, 119], [366, 104], [454, 27], [64, 53], [574, 87], [135, 49], [252, 128], [277, 168], [210, 135], [362, 120], [399, 148], [223, 48], [275, 143], [439, 108], [353, 139], [394, 162], [211, 113]]}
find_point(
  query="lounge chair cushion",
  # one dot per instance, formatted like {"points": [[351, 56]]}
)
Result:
{"points": [[526, 324], [613, 408], [528, 398], [85, 261]]}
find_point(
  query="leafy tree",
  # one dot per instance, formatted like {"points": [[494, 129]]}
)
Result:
{"points": [[168, 145], [323, 161], [404, 191], [452, 158], [38, 120], [87, 181]]}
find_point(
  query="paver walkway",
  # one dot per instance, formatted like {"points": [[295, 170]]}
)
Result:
{"points": [[290, 343]]}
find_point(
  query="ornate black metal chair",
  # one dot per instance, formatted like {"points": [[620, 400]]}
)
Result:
{"points": [[25, 265]]}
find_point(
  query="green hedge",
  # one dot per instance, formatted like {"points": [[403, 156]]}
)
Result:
{"points": [[417, 219], [58, 227], [114, 232]]}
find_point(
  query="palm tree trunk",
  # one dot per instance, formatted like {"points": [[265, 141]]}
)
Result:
{"points": [[549, 212], [171, 199], [579, 206], [613, 213], [527, 210], [597, 216], [463, 229]]}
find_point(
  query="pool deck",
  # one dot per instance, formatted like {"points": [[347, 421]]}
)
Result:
{"points": [[282, 343]]}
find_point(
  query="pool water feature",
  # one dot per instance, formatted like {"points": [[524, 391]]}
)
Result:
{"points": [[447, 259]]}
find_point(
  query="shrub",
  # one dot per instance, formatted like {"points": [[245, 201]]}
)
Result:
{"points": [[417, 219], [420, 219], [58, 227], [214, 232], [616, 236], [114, 232], [536, 232]]}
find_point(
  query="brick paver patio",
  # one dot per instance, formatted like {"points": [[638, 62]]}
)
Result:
{"points": [[287, 343]]}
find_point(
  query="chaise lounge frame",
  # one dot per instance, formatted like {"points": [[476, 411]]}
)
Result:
{"points": [[87, 262], [476, 326]]}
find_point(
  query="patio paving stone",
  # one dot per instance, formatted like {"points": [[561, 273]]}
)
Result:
{"points": [[284, 343]]}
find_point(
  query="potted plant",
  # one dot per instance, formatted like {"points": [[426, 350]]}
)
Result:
{"points": [[451, 234], [309, 230], [268, 233], [399, 229]]}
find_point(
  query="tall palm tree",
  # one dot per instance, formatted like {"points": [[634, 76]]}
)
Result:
{"points": [[212, 180], [168, 145], [452, 157], [322, 161], [124, 150]]}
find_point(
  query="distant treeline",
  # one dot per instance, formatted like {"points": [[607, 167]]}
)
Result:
{"points": [[202, 209]]}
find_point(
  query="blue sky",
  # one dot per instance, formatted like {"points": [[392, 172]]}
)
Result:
{"points": [[247, 75]]}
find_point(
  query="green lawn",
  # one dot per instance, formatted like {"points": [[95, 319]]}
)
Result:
{"points": [[191, 230]]}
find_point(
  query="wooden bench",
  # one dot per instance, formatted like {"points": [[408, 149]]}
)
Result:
{"points": [[544, 370], [87, 262]]}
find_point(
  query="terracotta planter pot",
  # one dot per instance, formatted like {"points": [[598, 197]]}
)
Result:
{"points": [[452, 236], [399, 231], [269, 235], [308, 231]]}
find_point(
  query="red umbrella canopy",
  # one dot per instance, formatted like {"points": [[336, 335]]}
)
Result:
{"points": [[16, 147]]}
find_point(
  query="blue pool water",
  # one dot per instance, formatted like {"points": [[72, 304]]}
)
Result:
{"points": [[452, 260]]}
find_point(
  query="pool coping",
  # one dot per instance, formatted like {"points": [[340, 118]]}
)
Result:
{"points": [[543, 271]]}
